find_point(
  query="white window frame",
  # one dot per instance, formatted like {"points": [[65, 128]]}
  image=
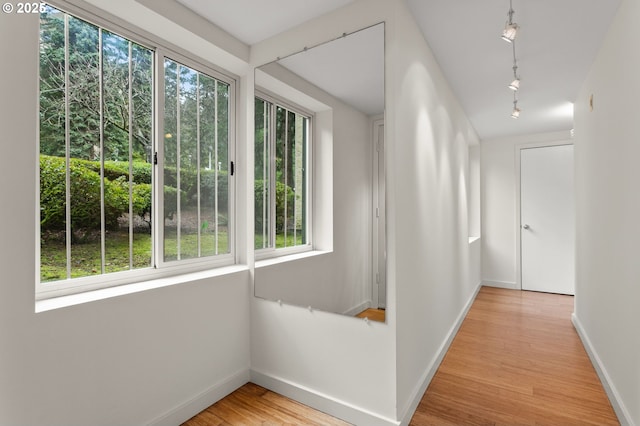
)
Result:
{"points": [[272, 251], [159, 268]]}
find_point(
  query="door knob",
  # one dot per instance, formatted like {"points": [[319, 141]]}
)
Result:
{"points": [[525, 226]]}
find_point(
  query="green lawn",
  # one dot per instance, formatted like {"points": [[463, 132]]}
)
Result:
{"points": [[86, 258], [280, 240]]}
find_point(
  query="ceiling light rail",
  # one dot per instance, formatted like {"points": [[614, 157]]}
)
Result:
{"points": [[343, 35], [515, 84], [509, 35]]}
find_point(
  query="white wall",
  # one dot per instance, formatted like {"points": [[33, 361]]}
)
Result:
{"points": [[381, 370], [499, 204], [608, 207], [339, 364], [120, 361], [159, 355], [428, 169]]}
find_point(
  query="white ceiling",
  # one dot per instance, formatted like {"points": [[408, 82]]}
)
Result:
{"points": [[556, 45], [251, 21], [350, 68]]}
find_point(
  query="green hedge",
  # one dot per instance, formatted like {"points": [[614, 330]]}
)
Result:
{"points": [[280, 194], [189, 185], [85, 192], [85, 196]]}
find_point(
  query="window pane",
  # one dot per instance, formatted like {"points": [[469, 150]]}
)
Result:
{"points": [[141, 155], [187, 214], [196, 161], [291, 197], [86, 148], [280, 176], [299, 179], [262, 164], [208, 166], [127, 101], [171, 198], [222, 175]]}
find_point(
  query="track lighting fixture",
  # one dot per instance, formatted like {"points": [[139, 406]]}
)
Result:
{"points": [[516, 111], [515, 84], [510, 28], [509, 34]]}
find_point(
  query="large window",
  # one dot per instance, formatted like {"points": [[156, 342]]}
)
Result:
{"points": [[282, 210], [106, 177]]}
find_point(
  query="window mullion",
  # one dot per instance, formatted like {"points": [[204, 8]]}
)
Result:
{"points": [[67, 138], [272, 174], [130, 155], [157, 200], [199, 233], [265, 169], [216, 168], [286, 170], [295, 182], [101, 119], [178, 171]]}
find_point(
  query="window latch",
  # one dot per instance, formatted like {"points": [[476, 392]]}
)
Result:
{"points": [[232, 168], [155, 158]]}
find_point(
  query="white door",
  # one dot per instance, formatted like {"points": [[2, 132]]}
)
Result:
{"points": [[547, 230], [379, 296]]}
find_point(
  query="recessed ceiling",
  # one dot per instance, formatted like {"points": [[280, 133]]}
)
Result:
{"points": [[252, 21], [556, 46]]}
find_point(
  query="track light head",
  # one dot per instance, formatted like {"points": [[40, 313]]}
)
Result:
{"points": [[515, 113], [515, 84], [510, 32]]}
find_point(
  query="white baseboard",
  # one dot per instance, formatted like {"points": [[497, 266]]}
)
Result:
{"points": [[359, 308], [321, 402], [501, 284], [614, 397], [431, 371], [193, 406]]}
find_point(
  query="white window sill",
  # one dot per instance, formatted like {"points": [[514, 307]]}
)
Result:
{"points": [[289, 258], [106, 293]]}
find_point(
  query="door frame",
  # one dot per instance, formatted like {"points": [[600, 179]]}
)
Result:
{"points": [[518, 149]]}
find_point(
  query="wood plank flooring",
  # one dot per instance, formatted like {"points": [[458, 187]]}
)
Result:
{"points": [[515, 360], [254, 405], [373, 314]]}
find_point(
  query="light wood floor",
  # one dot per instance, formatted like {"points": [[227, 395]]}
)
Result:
{"points": [[515, 360], [373, 314], [254, 405]]}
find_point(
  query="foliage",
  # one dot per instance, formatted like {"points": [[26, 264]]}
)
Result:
{"points": [[125, 84], [281, 189], [85, 194]]}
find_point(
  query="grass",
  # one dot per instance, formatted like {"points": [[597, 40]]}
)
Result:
{"points": [[86, 257], [280, 240]]}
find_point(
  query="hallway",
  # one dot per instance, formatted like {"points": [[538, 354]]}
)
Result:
{"points": [[516, 359]]}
